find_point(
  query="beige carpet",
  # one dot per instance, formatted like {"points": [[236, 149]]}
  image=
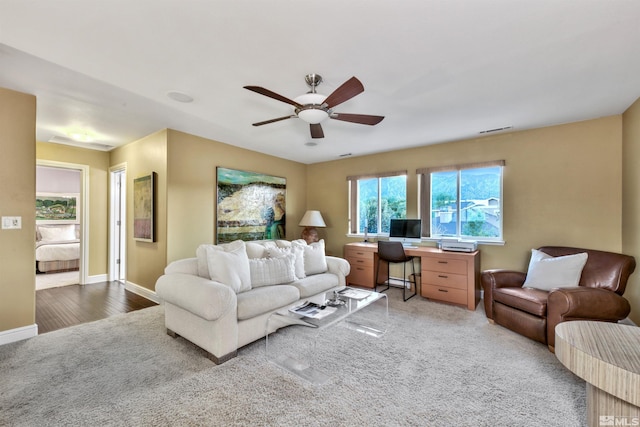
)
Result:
{"points": [[437, 365], [55, 280]]}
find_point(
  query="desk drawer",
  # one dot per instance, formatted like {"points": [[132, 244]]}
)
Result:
{"points": [[355, 253], [360, 276], [448, 280], [441, 293], [456, 266]]}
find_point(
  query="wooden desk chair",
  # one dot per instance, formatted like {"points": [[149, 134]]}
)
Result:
{"points": [[393, 253]]}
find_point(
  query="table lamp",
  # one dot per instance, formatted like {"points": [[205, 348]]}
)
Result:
{"points": [[310, 221]]}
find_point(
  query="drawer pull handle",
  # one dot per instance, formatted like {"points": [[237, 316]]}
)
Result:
{"points": [[361, 269], [442, 290], [443, 262], [443, 276], [359, 260], [360, 253]]}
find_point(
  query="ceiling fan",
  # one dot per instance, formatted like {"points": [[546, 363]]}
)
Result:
{"points": [[314, 108]]}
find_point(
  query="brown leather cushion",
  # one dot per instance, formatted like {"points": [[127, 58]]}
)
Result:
{"points": [[529, 300]]}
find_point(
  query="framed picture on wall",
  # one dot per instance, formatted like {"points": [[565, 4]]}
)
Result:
{"points": [[144, 207], [57, 208], [250, 206]]}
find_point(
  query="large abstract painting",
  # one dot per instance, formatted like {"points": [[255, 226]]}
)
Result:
{"points": [[143, 208], [251, 206]]}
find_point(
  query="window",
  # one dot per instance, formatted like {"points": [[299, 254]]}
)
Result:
{"points": [[463, 201], [375, 199]]}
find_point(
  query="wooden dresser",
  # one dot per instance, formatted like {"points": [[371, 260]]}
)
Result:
{"points": [[452, 277]]}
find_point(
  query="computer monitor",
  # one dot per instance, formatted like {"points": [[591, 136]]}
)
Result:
{"points": [[407, 231]]}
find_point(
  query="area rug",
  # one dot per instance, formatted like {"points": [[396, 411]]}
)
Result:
{"points": [[55, 280], [437, 365]]}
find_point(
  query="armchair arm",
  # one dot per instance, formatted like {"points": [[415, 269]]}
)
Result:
{"points": [[583, 303], [202, 297], [493, 279]]}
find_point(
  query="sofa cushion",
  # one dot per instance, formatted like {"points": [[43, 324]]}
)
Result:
{"points": [[529, 300], [185, 266], [229, 264], [315, 284], [314, 257], [265, 299], [256, 250], [547, 272], [297, 251], [272, 271]]}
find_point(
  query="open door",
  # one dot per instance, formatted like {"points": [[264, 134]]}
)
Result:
{"points": [[117, 224]]}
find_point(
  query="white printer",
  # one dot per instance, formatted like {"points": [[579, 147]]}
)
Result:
{"points": [[458, 245]]}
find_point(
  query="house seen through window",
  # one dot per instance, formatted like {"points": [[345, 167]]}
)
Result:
{"points": [[464, 202]]}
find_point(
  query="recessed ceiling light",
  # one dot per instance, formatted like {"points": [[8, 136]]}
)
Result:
{"points": [[179, 96]]}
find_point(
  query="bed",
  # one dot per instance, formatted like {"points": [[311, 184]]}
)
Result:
{"points": [[57, 248]]}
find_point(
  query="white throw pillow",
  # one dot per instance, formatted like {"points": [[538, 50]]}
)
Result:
{"points": [[547, 272], [297, 251], [272, 271], [256, 250], [58, 233], [314, 258], [229, 264]]}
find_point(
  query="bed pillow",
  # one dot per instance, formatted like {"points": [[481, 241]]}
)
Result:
{"points": [[547, 272], [272, 271], [58, 233]]}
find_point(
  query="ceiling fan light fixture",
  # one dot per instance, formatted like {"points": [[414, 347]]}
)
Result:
{"points": [[313, 116]]}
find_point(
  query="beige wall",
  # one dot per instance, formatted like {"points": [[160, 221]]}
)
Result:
{"points": [[17, 196], [192, 188], [98, 162], [631, 201], [562, 186], [146, 260]]}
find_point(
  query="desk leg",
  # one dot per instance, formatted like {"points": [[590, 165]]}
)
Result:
{"points": [[603, 409]]}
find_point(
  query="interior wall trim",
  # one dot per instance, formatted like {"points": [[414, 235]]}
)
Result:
{"points": [[18, 334]]}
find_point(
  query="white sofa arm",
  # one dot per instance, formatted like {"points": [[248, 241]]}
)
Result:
{"points": [[202, 297], [339, 267]]}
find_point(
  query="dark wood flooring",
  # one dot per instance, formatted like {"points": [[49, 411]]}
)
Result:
{"points": [[58, 308]]}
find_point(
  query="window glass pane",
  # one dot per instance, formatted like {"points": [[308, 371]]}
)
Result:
{"points": [[393, 203], [444, 198], [480, 202], [368, 205]]}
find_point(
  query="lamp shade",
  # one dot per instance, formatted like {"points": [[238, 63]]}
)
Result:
{"points": [[312, 219]]}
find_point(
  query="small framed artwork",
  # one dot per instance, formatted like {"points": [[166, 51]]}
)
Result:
{"points": [[144, 207], [57, 208]]}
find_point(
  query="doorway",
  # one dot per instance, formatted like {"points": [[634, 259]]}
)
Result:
{"points": [[69, 180], [117, 223]]}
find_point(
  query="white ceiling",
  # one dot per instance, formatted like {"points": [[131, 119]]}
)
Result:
{"points": [[438, 70]]}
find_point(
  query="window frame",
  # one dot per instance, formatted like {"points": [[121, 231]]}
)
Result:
{"points": [[425, 200], [354, 199]]}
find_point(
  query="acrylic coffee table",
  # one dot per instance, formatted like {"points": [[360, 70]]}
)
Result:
{"points": [[368, 315]]}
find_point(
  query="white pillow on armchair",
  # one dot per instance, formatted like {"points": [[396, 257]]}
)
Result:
{"points": [[547, 272]]}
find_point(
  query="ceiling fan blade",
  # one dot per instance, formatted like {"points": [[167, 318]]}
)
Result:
{"points": [[271, 94], [316, 131], [266, 122], [363, 119], [348, 90]]}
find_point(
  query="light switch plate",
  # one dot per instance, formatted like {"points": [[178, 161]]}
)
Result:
{"points": [[11, 222]]}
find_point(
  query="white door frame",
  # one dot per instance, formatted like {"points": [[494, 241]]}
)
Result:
{"points": [[84, 211], [117, 222]]}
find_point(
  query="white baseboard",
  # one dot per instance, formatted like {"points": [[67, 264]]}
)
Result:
{"points": [[97, 279], [142, 291], [18, 334]]}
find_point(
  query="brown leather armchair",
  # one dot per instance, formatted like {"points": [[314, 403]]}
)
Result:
{"points": [[535, 313]]}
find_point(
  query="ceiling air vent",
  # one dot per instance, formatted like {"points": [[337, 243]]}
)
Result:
{"points": [[495, 130], [89, 145]]}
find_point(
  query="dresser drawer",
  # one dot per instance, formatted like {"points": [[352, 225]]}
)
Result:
{"points": [[448, 280], [441, 293], [456, 266]]}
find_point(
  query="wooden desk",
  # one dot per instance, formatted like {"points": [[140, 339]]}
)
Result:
{"points": [[452, 277], [607, 357]]}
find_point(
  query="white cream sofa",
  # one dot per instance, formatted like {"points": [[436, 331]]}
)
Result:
{"points": [[221, 299]]}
